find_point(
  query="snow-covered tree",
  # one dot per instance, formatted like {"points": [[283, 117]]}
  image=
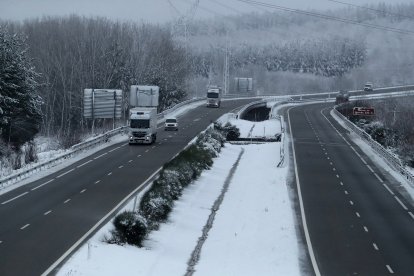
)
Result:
{"points": [[20, 113]]}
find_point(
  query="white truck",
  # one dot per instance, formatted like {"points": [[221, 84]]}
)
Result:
{"points": [[142, 125], [213, 96], [143, 102]]}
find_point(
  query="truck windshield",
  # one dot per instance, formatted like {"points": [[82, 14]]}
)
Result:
{"points": [[212, 95], [170, 120], [140, 123]]}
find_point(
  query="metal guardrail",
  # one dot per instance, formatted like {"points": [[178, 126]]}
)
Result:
{"points": [[390, 158], [76, 149]]}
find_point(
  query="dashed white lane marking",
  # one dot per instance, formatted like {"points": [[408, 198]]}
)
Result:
{"points": [[379, 178], [351, 202], [357, 214], [65, 173], [326, 153], [41, 185], [84, 190], [109, 173], [1, 242], [328, 158], [411, 214], [139, 155], [47, 213], [66, 201], [401, 203], [366, 229], [16, 197], [369, 167], [337, 176], [386, 187], [97, 181], [101, 155], [390, 269], [153, 147], [130, 161], [375, 246], [342, 184], [333, 169], [120, 167], [346, 192], [147, 150], [330, 163], [81, 165], [25, 226]]}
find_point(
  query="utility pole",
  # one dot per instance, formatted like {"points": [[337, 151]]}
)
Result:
{"points": [[226, 76]]}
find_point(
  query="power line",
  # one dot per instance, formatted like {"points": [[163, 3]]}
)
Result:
{"points": [[371, 9], [205, 9], [329, 17]]}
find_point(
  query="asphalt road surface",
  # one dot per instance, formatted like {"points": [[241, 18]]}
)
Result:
{"points": [[357, 222], [42, 220]]}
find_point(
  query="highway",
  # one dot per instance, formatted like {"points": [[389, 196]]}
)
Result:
{"points": [[44, 219], [356, 222]]}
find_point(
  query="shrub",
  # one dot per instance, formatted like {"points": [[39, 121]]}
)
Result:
{"points": [[158, 201], [130, 227]]}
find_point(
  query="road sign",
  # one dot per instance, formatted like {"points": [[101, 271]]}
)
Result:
{"points": [[367, 111]]}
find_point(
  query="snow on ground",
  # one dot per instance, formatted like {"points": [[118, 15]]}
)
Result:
{"points": [[253, 234], [250, 129], [254, 231]]}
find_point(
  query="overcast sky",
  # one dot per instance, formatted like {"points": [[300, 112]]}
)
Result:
{"points": [[154, 11]]}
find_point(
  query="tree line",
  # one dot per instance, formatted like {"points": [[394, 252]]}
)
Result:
{"points": [[72, 53]]}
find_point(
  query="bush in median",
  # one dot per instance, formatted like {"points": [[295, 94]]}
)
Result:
{"points": [[158, 201]]}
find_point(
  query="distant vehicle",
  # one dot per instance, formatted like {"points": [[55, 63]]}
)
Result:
{"points": [[142, 125], [369, 86], [213, 96], [342, 97], [171, 124]]}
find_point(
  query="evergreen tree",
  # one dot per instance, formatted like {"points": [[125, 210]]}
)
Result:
{"points": [[20, 113]]}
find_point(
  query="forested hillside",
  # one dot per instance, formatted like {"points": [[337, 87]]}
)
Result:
{"points": [[273, 47], [285, 53]]}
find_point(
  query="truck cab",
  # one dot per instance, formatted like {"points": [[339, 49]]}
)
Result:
{"points": [[142, 125], [213, 96]]}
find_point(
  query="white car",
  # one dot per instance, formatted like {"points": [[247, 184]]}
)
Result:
{"points": [[171, 124], [369, 86]]}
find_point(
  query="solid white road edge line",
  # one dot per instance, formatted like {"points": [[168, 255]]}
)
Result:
{"points": [[65, 173], [41, 185], [16, 197], [302, 209], [96, 226], [81, 165]]}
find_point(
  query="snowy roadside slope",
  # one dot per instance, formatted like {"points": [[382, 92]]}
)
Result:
{"points": [[254, 229], [253, 234], [249, 129]]}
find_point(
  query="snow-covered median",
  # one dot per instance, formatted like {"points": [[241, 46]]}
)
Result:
{"points": [[253, 232]]}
